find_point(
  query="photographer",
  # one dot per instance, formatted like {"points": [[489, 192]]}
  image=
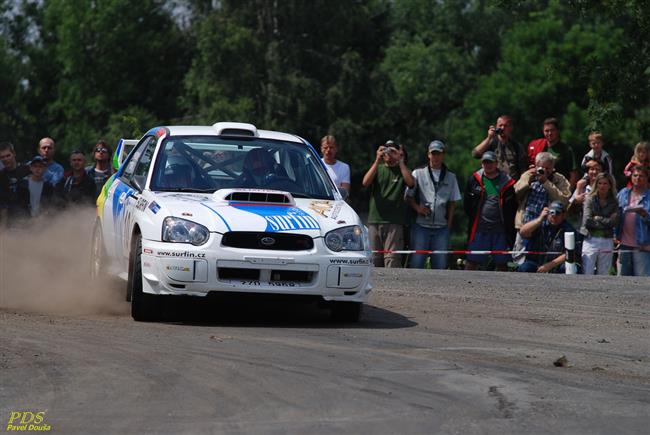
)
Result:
{"points": [[539, 186], [387, 178], [511, 156], [546, 234], [536, 188]]}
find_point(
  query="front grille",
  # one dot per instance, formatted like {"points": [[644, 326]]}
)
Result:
{"points": [[271, 241], [226, 273], [236, 273]]}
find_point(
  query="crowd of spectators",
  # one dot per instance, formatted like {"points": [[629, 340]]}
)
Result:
{"points": [[41, 187], [519, 204]]}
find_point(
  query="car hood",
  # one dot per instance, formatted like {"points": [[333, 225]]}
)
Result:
{"points": [[218, 214]]}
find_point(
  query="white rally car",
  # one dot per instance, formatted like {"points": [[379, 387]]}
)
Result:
{"points": [[229, 208]]}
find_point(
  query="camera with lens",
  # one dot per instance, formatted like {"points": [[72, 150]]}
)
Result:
{"points": [[498, 131], [540, 170]]}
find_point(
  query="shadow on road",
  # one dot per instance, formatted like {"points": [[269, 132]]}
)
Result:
{"points": [[255, 311]]}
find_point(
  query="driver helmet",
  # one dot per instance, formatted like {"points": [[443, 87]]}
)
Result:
{"points": [[259, 162], [178, 171]]}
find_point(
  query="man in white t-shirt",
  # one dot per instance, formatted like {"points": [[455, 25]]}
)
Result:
{"points": [[338, 171]]}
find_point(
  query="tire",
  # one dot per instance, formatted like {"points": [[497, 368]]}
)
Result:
{"points": [[349, 312], [97, 254], [144, 307]]}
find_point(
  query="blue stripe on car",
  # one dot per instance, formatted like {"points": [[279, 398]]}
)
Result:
{"points": [[217, 213]]}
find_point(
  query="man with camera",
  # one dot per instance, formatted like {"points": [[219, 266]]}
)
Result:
{"points": [[511, 156], [434, 200], [540, 182], [536, 188], [387, 178], [546, 234]]}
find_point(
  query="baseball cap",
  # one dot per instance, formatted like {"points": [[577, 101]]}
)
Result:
{"points": [[556, 206], [38, 159], [490, 156], [437, 145]]}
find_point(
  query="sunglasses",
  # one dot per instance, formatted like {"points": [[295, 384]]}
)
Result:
{"points": [[101, 150]]}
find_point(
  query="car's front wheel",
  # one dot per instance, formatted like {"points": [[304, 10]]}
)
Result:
{"points": [[144, 307], [346, 311]]}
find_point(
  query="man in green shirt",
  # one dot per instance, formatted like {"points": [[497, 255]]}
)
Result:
{"points": [[387, 178]]}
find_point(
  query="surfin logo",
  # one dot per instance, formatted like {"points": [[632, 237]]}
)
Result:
{"points": [[281, 218]]}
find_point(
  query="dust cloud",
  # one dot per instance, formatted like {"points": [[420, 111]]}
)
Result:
{"points": [[45, 268]]}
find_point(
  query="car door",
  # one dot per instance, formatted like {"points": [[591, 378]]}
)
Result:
{"points": [[125, 193]]}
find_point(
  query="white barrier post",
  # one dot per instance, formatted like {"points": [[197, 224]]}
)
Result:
{"points": [[570, 266]]}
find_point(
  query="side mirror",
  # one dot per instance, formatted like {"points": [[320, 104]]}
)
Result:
{"points": [[344, 193]]}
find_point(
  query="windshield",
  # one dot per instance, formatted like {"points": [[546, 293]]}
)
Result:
{"points": [[210, 163]]}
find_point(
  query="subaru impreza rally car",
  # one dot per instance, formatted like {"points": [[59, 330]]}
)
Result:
{"points": [[229, 208]]}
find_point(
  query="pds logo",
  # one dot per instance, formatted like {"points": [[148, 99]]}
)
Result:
{"points": [[20, 421]]}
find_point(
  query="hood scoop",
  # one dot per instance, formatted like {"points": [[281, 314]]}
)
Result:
{"points": [[254, 196]]}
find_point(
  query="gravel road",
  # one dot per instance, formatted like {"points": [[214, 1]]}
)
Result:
{"points": [[436, 352]]}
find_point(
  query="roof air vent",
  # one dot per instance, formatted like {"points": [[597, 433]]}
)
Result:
{"points": [[235, 129]]}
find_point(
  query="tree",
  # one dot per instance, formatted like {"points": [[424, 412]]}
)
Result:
{"points": [[9, 85], [303, 67], [108, 56]]}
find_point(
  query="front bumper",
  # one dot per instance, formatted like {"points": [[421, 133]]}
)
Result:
{"points": [[183, 269]]}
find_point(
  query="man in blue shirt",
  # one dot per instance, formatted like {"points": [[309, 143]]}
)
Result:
{"points": [[54, 171], [546, 234]]}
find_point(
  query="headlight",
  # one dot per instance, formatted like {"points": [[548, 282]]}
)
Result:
{"points": [[345, 239], [177, 230]]}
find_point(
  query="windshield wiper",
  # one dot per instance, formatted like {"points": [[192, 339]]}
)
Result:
{"points": [[304, 195]]}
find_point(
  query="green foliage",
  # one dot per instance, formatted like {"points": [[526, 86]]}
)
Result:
{"points": [[131, 123], [8, 89], [219, 85], [109, 55]]}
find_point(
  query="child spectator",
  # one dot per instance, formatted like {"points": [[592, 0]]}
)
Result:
{"points": [[597, 152], [599, 220], [35, 195], [641, 157]]}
